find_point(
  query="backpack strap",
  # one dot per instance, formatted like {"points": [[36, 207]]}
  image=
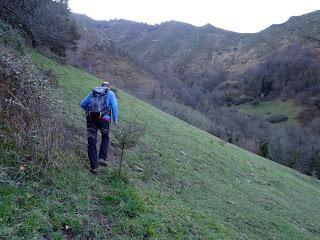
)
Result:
{"points": [[108, 110]]}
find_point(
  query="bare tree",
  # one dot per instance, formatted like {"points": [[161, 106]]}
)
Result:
{"points": [[128, 137]]}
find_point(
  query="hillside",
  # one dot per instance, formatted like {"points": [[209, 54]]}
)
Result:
{"points": [[98, 56], [205, 57], [193, 185]]}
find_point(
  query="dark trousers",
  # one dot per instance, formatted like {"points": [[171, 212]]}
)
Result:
{"points": [[93, 124]]}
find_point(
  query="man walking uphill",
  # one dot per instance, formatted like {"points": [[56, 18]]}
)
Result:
{"points": [[100, 106]]}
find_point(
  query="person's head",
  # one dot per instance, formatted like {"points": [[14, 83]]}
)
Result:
{"points": [[106, 85]]}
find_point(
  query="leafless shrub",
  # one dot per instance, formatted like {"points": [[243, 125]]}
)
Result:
{"points": [[52, 77], [127, 137]]}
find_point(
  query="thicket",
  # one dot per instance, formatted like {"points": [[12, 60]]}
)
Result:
{"points": [[10, 37], [291, 73], [30, 129]]}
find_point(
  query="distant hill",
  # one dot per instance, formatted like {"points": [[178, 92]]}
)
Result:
{"points": [[97, 55], [207, 59]]}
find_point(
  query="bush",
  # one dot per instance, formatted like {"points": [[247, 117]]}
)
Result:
{"points": [[29, 126], [127, 137], [10, 37], [255, 102], [277, 118]]}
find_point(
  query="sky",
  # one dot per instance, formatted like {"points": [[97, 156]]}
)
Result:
{"points": [[235, 15]]}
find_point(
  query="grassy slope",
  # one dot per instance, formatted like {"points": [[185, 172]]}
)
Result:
{"points": [[267, 108], [209, 189]]}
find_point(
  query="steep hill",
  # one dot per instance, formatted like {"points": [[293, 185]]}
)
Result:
{"points": [[215, 63], [96, 55], [192, 185]]}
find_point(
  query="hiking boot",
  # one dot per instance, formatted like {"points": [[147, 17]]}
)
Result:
{"points": [[94, 171], [103, 162]]}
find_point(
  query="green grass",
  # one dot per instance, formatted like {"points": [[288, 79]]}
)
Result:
{"points": [[194, 185], [268, 108]]}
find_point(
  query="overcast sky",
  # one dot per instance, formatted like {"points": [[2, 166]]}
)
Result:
{"points": [[234, 15]]}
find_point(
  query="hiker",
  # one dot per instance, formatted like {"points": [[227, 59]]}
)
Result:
{"points": [[100, 106]]}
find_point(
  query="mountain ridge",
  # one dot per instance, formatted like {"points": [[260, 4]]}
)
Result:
{"points": [[210, 25], [197, 56]]}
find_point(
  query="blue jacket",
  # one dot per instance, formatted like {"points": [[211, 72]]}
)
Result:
{"points": [[111, 102]]}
